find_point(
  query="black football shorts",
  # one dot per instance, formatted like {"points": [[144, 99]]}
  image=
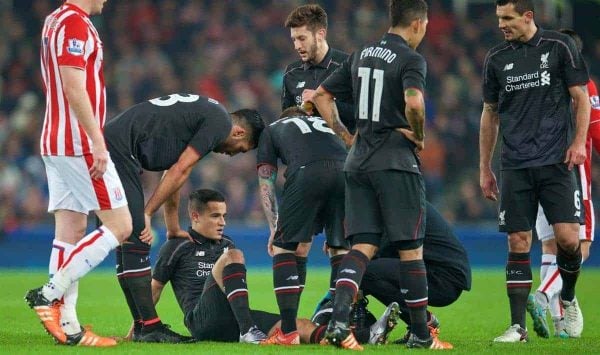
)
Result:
{"points": [[553, 186], [313, 200], [213, 320], [386, 201]]}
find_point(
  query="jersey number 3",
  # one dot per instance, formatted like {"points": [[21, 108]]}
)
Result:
{"points": [[363, 101], [173, 99]]}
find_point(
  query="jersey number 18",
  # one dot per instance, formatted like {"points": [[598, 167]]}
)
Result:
{"points": [[317, 123]]}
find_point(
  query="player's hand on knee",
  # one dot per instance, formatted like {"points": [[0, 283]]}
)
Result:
{"points": [[179, 234], [146, 235], [270, 244]]}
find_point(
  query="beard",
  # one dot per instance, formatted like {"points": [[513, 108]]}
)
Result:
{"points": [[312, 51]]}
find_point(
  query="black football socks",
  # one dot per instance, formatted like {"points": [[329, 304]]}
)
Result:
{"points": [[236, 290], [569, 265], [351, 270], [286, 284], [413, 289], [518, 285]]}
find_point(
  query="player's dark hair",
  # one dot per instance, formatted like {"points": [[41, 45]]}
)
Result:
{"points": [[253, 121], [403, 12], [311, 15], [201, 197], [293, 111], [521, 6], [575, 36]]}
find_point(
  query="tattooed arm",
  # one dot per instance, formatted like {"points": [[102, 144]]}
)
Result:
{"points": [[415, 111], [488, 135], [326, 105], [576, 153], [267, 174], [415, 114]]}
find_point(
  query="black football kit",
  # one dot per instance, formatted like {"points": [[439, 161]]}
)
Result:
{"points": [[188, 266]]}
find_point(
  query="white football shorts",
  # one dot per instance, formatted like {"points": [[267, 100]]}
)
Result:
{"points": [[545, 232], [71, 187]]}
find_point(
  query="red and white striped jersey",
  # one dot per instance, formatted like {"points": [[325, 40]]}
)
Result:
{"points": [[70, 39], [593, 140]]}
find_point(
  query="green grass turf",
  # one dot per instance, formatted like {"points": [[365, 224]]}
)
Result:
{"points": [[470, 324]]}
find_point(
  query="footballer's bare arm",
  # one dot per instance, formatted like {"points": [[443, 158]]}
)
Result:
{"points": [[327, 107], [490, 107], [267, 174], [488, 135], [576, 153], [415, 112]]}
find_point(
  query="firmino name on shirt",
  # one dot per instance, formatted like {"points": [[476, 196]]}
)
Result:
{"points": [[378, 52]]}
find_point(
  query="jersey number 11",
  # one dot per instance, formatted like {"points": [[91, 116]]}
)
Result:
{"points": [[363, 102]]}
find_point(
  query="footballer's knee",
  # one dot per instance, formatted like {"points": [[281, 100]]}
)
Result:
{"points": [[118, 221], [519, 242], [234, 256], [303, 249], [337, 251], [570, 247]]}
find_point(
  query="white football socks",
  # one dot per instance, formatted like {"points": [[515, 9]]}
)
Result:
{"points": [[68, 314], [551, 284], [87, 254], [547, 259]]}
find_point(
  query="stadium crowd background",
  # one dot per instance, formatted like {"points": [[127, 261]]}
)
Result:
{"points": [[235, 51]]}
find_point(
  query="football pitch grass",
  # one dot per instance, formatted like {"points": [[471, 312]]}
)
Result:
{"points": [[470, 323]]}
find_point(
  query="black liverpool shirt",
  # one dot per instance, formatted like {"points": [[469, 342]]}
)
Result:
{"points": [[155, 132], [298, 141], [376, 77], [530, 82], [299, 76], [187, 264]]}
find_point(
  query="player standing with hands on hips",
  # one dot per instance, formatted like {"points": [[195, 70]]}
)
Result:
{"points": [[385, 192]]}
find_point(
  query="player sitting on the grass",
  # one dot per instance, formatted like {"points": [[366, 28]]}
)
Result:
{"points": [[208, 276], [448, 274]]}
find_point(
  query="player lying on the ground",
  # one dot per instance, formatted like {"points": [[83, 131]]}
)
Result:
{"points": [[208, 276], [448, 274]]}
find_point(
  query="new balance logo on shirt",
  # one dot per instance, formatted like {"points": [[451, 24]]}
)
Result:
{"points": [[508, 66]]}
